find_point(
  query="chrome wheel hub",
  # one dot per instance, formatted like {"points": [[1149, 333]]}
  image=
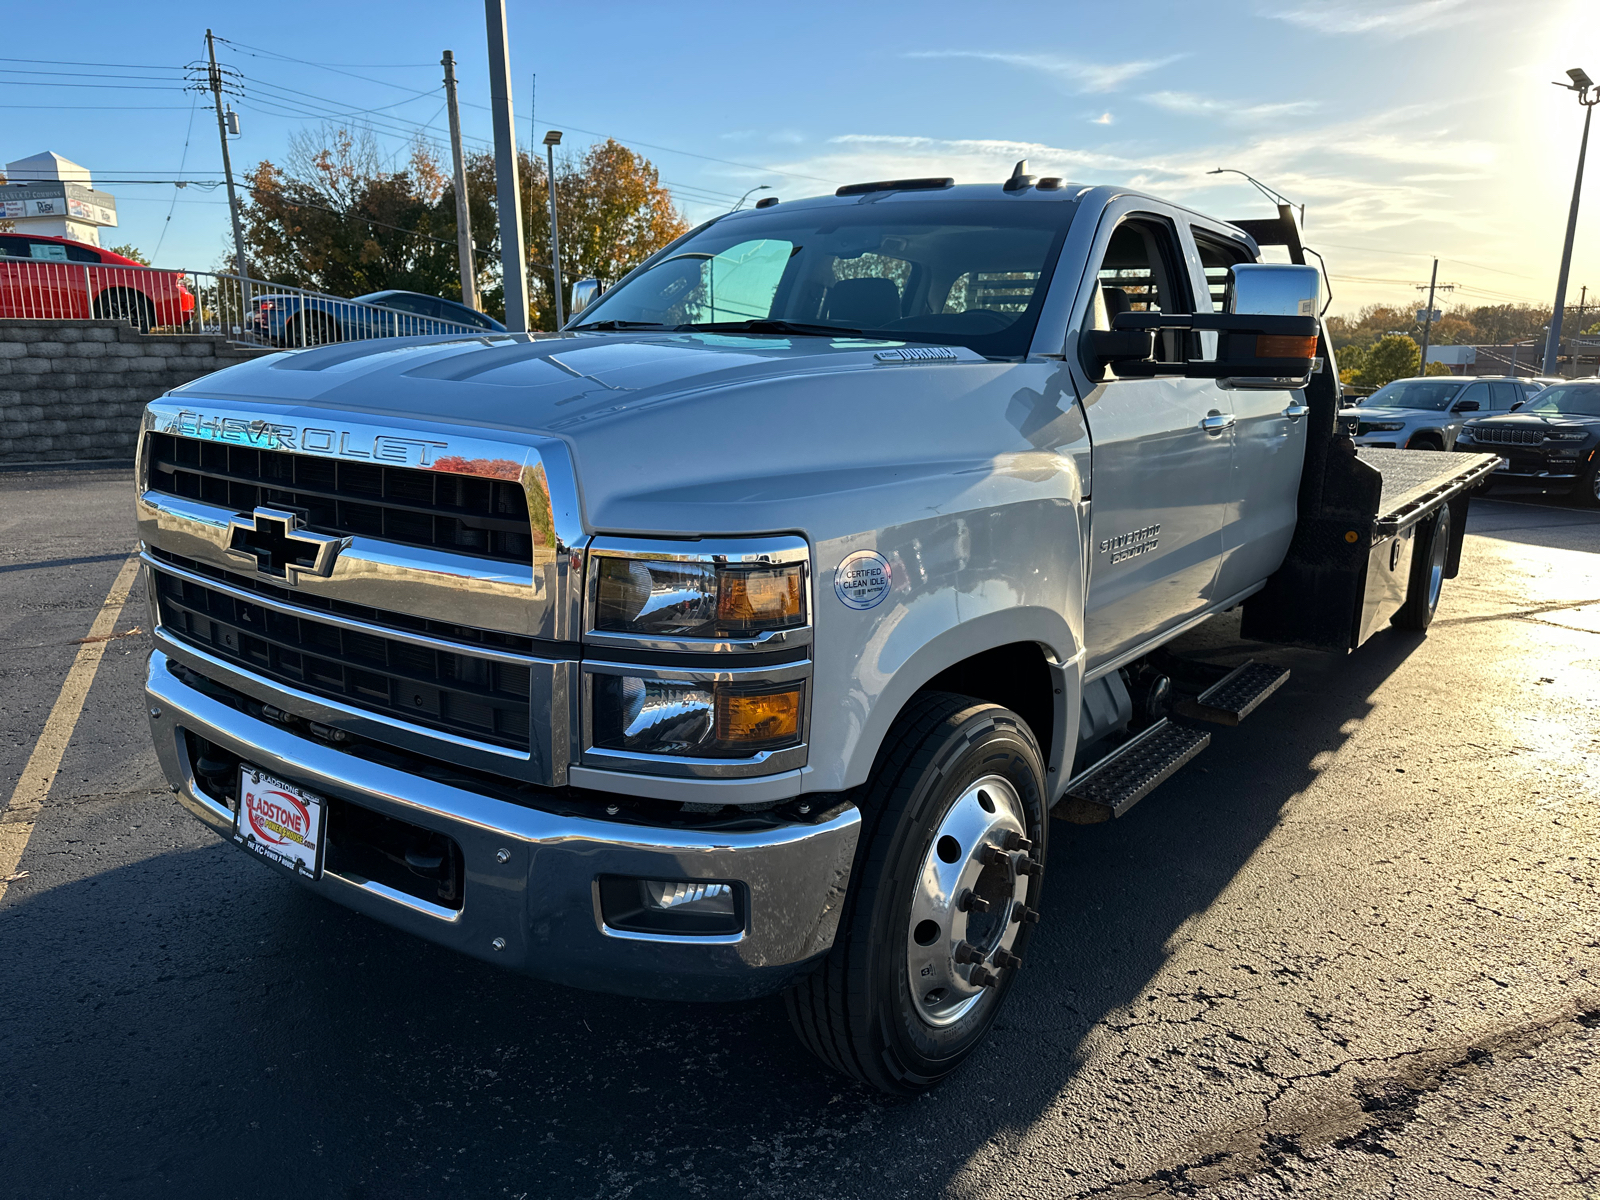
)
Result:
{"points": [[968, 902], [1438, 551]]}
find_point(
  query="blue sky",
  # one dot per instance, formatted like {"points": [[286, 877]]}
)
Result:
{"points": [[1409, 129]]}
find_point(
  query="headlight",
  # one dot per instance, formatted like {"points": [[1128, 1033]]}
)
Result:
{"points": [[695, 719], [675, 594], [1567, 435], [696, 599], [1385, 426]]}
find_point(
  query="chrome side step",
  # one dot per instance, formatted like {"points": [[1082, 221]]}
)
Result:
{"points": [[1235, 696], [1129, 773]]}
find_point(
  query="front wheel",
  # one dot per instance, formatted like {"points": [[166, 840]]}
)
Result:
{"points": [[1428, 560], [945, 894], [1587, 493]]}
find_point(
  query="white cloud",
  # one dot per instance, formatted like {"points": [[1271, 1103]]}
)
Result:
{"points": [[1083, 76], [1190, 104], [1103, 119], [1393, 18]]}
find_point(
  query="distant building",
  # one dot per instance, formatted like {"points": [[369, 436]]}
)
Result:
{"points": [[50, 195], [1453, 356]]}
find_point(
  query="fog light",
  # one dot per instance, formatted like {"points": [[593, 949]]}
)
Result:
{"points": [[691, 907]]}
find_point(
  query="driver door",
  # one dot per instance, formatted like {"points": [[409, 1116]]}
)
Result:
{"points": [[1162, 451]]}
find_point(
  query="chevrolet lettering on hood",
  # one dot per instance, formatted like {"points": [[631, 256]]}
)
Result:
{"points": [[304, 439]]}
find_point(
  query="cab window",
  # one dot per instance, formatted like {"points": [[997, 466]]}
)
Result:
{"points": [[1142, 271]]}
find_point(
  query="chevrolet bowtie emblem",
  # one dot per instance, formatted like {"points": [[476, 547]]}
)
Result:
{"points": [[272, 541]]}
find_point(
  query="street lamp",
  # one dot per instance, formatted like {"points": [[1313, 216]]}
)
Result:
{"points": [[1275, 196], [552, 139], [1583, 85], [765, 187]]}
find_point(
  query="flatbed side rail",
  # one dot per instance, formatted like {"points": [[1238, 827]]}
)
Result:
{"points": [[1479, 469]]}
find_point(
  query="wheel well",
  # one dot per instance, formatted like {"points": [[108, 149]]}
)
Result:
{"points": [[1017, 676], [1426, 435]]}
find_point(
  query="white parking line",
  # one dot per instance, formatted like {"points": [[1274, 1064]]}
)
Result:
{"points": [[18, 819]]}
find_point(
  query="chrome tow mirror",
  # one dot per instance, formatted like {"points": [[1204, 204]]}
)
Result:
{"points": [[584, 293]]}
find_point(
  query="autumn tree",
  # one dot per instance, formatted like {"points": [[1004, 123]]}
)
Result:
{"points": [[1393, 357], [334, 219]]}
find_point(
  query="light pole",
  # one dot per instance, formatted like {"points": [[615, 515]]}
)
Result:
{"points": [[552, 139], [1272, 194], [1583, 85], [508, 194], [765, 187]]}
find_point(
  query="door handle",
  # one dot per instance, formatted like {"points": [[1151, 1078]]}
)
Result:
{"points": [[1295, 411], [1215, 422]]}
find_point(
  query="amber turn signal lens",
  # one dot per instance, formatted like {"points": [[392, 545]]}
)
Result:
{"points": [[1276, 346], [746, 719], [759, 599]]}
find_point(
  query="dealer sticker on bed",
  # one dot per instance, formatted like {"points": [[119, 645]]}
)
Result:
{"points": [[279, 821], [862, 579]]}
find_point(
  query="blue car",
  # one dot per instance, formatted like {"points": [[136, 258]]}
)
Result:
{"points": [[296, 318]]}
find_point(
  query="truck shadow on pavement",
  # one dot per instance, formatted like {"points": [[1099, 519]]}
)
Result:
{"points": [[195, 1024]]}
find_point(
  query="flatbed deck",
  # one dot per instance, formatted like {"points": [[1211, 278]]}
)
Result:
{"points": [[1417, 481]]}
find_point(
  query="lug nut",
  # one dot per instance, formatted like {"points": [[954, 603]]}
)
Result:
{"points": [[972, 902], [992, 856], [982, 977], [1015, 841], [965, 953], [1027, 866], [1021, 912], [1005, 960]]}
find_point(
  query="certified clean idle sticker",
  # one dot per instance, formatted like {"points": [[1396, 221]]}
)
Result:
{"points": [[862, 579]]}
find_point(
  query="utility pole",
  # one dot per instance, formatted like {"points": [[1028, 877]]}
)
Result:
{"points": [[1583, 85], [469, 264], [227, 163], [508, 193], [552, 139], [1427, 327]]}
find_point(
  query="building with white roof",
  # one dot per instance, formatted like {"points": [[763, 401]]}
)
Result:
{"points": [[54, 196]]}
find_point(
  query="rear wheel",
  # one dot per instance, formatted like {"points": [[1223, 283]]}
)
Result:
{"points": [[943, 899], [312, 329], [1427, 574], [1425, 441], [125, 304]]}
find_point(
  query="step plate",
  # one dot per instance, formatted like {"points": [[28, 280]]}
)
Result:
{"points": [[1235, 696], [1119, 781]]}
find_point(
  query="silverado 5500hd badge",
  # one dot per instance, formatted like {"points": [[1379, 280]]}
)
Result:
{"points": [[1131, 545]]}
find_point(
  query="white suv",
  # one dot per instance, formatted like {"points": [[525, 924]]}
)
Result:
{"points": [[1427, 414]]}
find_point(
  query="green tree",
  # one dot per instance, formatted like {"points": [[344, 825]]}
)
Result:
{"points": [[129, 250], [1392, 357]]}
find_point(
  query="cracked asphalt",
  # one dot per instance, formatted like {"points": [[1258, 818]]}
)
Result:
{"points": [[1350, 951]]}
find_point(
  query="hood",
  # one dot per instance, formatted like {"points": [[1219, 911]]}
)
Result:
{"points": [[692, 432], [1535, 420]]}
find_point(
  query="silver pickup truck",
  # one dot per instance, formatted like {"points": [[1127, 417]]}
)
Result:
{"points": [[744, 636]]}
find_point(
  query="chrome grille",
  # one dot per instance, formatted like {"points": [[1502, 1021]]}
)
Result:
{"points": [[428, 686], [466, 514]]}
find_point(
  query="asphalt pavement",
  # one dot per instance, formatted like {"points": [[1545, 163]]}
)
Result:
{"points": [[1352, 950]]}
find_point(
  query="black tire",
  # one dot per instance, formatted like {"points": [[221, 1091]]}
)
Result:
{"points": [[1587, 493], [1425, 441], [861, 1011], [320, 330], [125, 304], [1427, 574]]}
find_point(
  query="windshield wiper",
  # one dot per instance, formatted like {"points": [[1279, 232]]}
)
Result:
{"points": [[770, 325], [614, 326]]}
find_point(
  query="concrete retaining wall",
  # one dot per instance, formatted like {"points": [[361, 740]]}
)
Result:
{"points": [[73, 390]]}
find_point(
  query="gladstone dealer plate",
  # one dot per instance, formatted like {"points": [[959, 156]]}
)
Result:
{"points": [[280, 821]]}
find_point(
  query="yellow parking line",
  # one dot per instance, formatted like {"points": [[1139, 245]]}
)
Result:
{"points": [[19, 817]]}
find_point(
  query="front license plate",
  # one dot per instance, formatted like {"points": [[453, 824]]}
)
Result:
{"points": [[280, 821]]}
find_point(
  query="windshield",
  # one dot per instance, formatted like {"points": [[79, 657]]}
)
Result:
{"points": [[1414, 393], [965, 273], [1569, 399]]}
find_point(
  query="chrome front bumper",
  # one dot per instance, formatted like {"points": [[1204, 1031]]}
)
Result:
{"points": [[539, 910]]}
